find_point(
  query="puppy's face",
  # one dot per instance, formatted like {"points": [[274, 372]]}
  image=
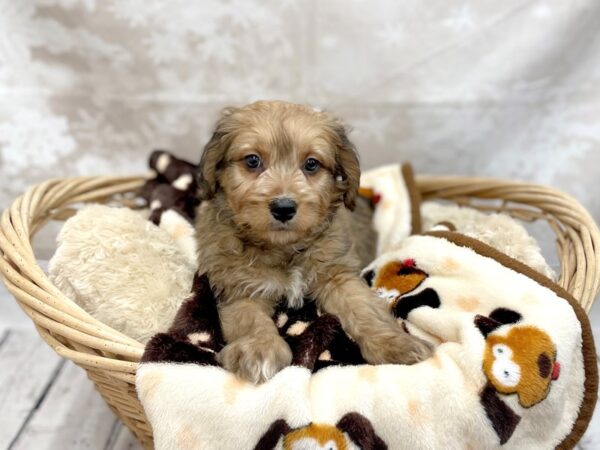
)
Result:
{"points": [[282, 168]]}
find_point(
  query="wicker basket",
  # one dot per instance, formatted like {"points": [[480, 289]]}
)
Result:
{"points": [[111, 358]]}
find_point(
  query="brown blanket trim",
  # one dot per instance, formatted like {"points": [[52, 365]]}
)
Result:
{"points": [[588, 348], [446, 224], [414, 196]]}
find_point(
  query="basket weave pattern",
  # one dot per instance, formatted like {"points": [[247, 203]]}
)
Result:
{"points": [[111, 358]]}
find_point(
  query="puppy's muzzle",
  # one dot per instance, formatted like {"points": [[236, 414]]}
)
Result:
{"points": [[283, 209]]}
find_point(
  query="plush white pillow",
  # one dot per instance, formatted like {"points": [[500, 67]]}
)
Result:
{"points": [[124, 270]]}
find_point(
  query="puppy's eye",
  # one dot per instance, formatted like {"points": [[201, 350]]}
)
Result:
{"points": [[311, 165], [253, 162]]}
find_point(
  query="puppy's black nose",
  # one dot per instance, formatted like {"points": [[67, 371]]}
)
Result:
{"points": [[283, 209]]}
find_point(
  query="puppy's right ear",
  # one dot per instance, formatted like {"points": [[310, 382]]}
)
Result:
{"points": [[213, 156], [348, 167]]}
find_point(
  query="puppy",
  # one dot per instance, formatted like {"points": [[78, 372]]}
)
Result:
{"points": [[278, 183]]}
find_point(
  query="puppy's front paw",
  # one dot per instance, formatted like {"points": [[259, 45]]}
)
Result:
{"points": [[395, 346], [256, 358]]}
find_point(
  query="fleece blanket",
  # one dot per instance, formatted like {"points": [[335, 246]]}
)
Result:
{"points": [[514, 365]]}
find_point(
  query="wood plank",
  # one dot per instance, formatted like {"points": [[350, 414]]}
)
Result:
{"points": [[11, 315], [123, 440], [114, 432], [28, 368], [4, 333], [72, 416]]}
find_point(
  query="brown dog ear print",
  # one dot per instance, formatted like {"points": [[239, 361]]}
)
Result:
{"points": [[404, 305], [273, 435], [353, 430], [503, 419], [361, 432], [497, 318]]}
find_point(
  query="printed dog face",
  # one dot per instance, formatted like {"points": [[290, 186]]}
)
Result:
{"points": [[282, 168], [522, 362]]}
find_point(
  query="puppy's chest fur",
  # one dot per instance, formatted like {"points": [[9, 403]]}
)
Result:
{"points": [[239, 270], [291, 280], [263, 275]]}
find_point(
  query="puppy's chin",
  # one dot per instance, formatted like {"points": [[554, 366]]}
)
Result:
{"points": [[284, 237], [280, 234]]}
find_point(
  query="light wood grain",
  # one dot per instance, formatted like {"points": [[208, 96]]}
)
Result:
{"points": [[28, 367], [11, 316], [124, 440], [72, 417]]}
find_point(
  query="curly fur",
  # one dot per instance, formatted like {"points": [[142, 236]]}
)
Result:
{"points": [[253, 261]]}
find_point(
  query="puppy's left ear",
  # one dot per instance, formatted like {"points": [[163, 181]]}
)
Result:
{"points": [[209, 163], [347, 171], [212, 157]]}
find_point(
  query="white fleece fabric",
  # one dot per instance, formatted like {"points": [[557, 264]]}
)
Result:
{"points": [[436, 404], [124, 270], [392, 217], [498, 230]]}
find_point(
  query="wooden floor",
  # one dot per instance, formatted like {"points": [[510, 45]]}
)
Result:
{"points": [[47, 403]]}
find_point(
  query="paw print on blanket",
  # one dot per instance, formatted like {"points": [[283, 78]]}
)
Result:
{"points": [[520, 361], [351, 432]]}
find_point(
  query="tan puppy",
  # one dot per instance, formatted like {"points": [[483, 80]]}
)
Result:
{"points": [[278, 181]]}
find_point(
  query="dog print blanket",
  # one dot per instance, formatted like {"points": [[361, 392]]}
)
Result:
{"points": [[514, 365]]}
